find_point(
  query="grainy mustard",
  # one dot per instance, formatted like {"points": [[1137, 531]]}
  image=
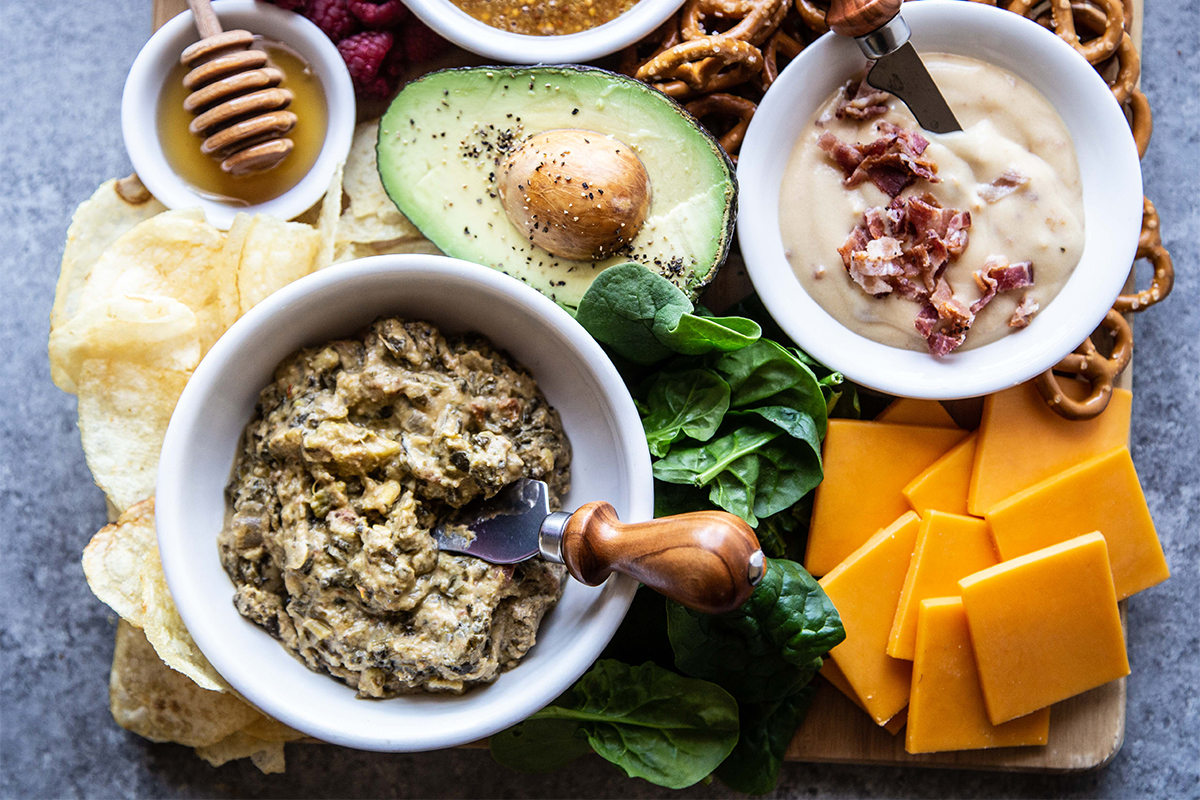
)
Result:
{"points": [[545, 17]]}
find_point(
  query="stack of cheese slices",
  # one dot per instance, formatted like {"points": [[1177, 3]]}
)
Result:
{"points": [[978, 573]]}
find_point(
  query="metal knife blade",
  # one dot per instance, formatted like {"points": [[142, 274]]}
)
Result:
{"points": [[502, 530], [902, 73]]}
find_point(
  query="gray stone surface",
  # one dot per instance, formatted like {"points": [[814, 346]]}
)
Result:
{"points": [[62, 65]]}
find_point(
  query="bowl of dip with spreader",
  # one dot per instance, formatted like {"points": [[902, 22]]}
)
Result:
{"points": [[941, 265]]}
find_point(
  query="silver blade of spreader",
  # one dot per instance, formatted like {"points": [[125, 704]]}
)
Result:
{"points": [[903, 74], [502, 530]]}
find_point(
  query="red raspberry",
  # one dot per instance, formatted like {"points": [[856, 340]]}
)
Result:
{"points": [[333, 17], [378, 14], [364, 54], [420, 43], [291, 5]]}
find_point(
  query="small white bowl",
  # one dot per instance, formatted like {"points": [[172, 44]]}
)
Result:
{"points": [[469, 33], [1112, 199], [610, 462], [143, 89]]}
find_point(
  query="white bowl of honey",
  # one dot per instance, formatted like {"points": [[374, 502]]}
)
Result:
{"points": [[167, 156]]}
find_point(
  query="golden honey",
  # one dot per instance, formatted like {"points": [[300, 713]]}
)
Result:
{"points": [[204, 173]]}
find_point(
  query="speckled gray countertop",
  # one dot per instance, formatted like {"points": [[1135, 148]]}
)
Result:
{"points": [[62, 66]]}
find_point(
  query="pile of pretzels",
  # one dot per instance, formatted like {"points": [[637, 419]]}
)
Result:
{"points": [[718, 58]]}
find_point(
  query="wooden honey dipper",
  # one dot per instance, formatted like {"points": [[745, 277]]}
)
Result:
{"points": [[235, 96]]}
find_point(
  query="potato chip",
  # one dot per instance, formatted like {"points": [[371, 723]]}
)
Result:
{"points": [[226, 268], [348, 251], [124, 408], [112, 561], [97, 223], [327, 225], [169, 255], [154, 701], [267, 756], [275, 254], [165, 630], [153, 331], [371, 215], [271, 730]]}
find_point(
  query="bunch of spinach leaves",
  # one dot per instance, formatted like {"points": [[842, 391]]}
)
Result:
{"points": [[733, 421]]}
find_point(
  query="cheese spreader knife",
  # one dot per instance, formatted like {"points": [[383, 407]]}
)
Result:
{"points": [[883, 36], [709, 561]]}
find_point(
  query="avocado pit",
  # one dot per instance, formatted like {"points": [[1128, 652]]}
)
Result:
{"points": [[577, 194]]}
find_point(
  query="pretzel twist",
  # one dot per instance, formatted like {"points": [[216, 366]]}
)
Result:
{"points": [[1087, 363], [1151, 248], [779, 43], [1141, 121], [757, 19], [710, 64], [726, 105], [1064, 13], [1129, 69], [812, 15]]}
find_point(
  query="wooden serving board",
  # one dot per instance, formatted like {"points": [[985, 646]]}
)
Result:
{"points": [[1085, 732]]}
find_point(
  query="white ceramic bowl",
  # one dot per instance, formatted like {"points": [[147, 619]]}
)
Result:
{"points": [[1112, 199], [143, 88], [610, 462], [469, 33]]}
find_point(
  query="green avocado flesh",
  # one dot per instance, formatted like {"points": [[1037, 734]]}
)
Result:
{"points": [[444, 137]]}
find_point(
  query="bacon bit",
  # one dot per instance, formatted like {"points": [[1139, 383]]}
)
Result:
{"points": [[916, 238], [1024, 311], [861, 100], [1009, 181], [892, 162]]}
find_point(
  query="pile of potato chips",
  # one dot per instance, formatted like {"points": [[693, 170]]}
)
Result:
{"points": [[143, 294]]}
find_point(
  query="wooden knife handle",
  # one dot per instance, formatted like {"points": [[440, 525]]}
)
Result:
{"points": [[860, 17], [707, 560]]}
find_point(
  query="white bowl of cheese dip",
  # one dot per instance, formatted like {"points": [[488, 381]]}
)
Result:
{"points": [[1111, 200], [609, 462]]}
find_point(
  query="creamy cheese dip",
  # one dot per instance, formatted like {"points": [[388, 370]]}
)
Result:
{"points": [[357, 450], [1007, 125]]}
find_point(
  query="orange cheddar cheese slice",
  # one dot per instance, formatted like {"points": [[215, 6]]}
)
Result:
{"points": [[949, 547], [947, 710], [1099, 495], [1045, 627], [867, 464], [907, 411], [831, 673], [1023, 442], [944, 486], [865, 589]]}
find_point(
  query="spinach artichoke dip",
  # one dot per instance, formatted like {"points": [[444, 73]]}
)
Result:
{"points": [[357, 450]]}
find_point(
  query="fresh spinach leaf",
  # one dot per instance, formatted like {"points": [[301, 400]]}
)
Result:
{"points": [[675, 498], [690, 403], [766, 729], [539, 746], [766, 371], [788, 468], [766, 649], [645, 318], [695, 335], [650, 722], [729, 465]]}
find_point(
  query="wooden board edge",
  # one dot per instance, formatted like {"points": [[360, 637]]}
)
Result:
{"points": [[977, 760]]}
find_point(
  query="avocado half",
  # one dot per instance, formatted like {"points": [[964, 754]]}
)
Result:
{"points": [[445, 135]]}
